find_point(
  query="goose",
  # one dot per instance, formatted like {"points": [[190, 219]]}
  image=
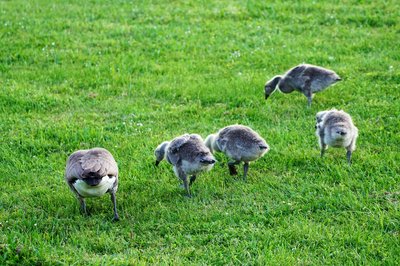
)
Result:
{"points": [[336, 129], [188, 155], [240, 143], [92, 173], [305, 78]]}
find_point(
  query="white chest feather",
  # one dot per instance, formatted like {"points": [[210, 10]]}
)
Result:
{"points": [[191, 168], [86, 190]]}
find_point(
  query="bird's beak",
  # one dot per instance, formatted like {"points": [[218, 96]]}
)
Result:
{"points": [[263, 147], [205, 161]]}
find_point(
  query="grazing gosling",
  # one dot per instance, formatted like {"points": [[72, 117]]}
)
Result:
{"points": [[305, 78], [335, 128], [188, 155], [240, 144], [92, 173]]}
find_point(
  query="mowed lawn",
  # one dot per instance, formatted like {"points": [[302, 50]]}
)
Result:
{"points": [[127, 75]]}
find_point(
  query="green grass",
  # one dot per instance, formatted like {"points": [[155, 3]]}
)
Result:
{"points": [[127, 75]]}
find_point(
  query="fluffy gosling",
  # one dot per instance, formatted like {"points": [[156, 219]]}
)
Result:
{"points": [[92, 173], [305, 78], [335, 128], [240, 144], [188, 155]]}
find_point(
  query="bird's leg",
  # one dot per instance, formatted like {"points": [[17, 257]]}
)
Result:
{"points": [[232, 168], [183, 177], [114, 201], [309, 100], [187, 188], [323, 149], [322, 144], [245, 169], [80, 199], [83, 205], [192, 179], [348, 155], [308, 93], [309, 96]]}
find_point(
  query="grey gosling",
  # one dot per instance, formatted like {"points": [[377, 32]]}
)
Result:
{"points": [[92, 173], [305, 78], [335, 128], [240, 144], [188, 155]]}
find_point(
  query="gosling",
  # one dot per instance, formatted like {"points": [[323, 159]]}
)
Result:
{"points": [[240, 144], [335, 128], [188, 155], [92, 173], [305, 78]]}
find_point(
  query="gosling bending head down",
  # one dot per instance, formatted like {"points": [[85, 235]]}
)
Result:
{"points": [[305, 78], [240, 144], [188, 155], [335, 128], [92, 173]]}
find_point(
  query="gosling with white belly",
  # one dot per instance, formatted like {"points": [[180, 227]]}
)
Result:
{"points": [[188, 155], [305, 78], [92, 173], [335, 128], [240, 144]]}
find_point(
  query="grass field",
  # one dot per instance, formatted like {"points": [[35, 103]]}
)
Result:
{"points": [[128, 75]]}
